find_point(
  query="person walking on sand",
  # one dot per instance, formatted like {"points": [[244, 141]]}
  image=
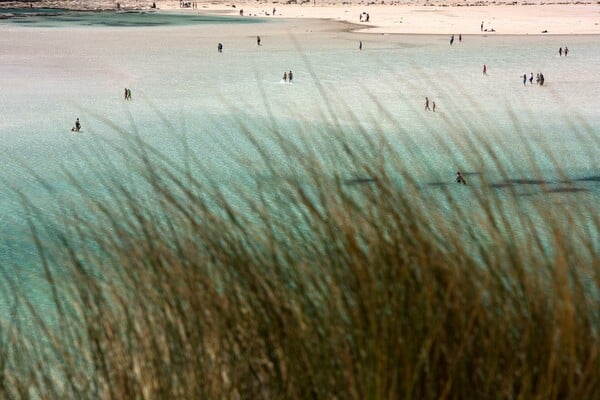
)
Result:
{"points": [[290, 76], [484, 69], [460, 37], [360, 45], [459, 179], [426, 103]]}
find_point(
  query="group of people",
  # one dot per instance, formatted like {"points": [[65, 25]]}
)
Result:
{"points": [[486, 30], [187, 4], [288, 76], [427, 108], [127, 95], [539, 79], [452, 38], [565, 51]]}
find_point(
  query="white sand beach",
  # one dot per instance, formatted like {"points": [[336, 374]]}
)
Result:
{"points": [[419, 17]]}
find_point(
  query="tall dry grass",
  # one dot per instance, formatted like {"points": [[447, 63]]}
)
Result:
{"points": [[300, 284]]}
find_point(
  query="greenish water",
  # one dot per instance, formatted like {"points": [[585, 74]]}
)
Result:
{"points": [[191, 101], [55, 17]]}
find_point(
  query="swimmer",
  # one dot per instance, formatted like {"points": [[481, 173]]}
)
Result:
{"points": [[459, 179]]}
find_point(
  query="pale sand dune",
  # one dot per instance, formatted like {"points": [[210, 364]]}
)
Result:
{"points": [[419, 17]]}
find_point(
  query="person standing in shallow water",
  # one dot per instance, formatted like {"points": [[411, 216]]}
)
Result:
{"points": [[360, 45], [258, 40], [220, 47], [560, 51], [77, 126], [426, 103], [290, 76], [285, 76], [524, 79], [451, 39], [433, 106], [566, 51], [484, 69]]}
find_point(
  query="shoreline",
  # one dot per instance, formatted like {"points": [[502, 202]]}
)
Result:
{"points": [[437, 17]]}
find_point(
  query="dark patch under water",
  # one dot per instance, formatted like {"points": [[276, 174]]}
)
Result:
{"points": [[566, 190], [358, 181], [515, 182], [589, 179], [56, 17]]}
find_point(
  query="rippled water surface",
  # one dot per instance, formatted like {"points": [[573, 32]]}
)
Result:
{"points": [[52, 71]]}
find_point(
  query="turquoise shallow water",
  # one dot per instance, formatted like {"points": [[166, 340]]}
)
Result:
{"points": [[183, 88]]}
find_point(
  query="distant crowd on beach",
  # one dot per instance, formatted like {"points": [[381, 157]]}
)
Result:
{"points": [[188, 4]]}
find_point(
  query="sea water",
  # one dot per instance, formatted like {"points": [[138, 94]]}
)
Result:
{"points": [[54, 69]]}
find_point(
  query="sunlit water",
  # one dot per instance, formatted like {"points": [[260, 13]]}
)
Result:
{"points": [[55, 69]]}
